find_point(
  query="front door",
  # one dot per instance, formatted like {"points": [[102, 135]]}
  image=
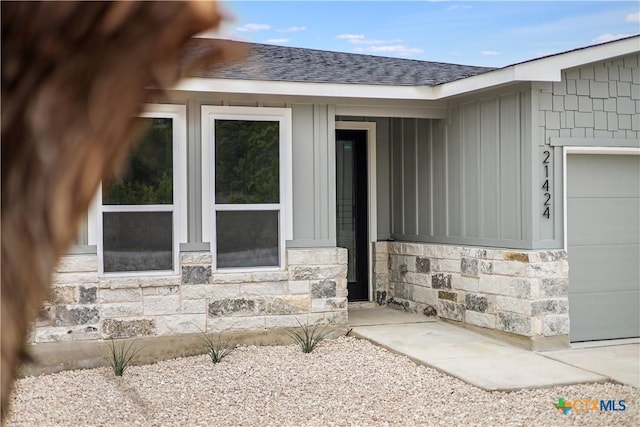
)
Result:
{"points": [[351, 208]]}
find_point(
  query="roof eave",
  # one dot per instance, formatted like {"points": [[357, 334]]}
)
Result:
{"points": [[331, 90], [547, 69]]}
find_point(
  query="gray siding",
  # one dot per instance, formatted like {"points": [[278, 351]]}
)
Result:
{"points": [[593, 105], [510, 205], [424, 181], [438, 166], [314, 199], [599, 100], [459, 180], [397, 178], [303, 167], [383, 178]]}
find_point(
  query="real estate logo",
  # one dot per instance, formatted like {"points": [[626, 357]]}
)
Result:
{"points": [[563, 406], [583, 405]]}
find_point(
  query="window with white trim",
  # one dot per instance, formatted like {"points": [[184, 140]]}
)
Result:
{"points": [[140, 211], [246, 185]]}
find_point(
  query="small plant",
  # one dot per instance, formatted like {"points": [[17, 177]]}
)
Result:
{"points": [[217, 349], [120, 356], [309, 337]]}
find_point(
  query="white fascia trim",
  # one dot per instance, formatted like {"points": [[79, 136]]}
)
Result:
{"points": [[263, 87], [547, 69], [550, 68]]}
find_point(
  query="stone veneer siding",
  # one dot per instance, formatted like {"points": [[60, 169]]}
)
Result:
{"points": [[524, 293], [86, 306]]}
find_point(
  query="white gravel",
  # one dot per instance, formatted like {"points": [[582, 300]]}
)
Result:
{"points": [[343, 382]]}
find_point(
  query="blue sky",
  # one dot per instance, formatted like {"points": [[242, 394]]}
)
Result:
{"points": [[485, 33]]}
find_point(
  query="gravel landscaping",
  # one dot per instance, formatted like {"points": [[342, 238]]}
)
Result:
{"points": [[345, 381]]}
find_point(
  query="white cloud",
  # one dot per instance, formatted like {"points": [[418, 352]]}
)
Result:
{"points": [[609, 37], [278, 41], [633, 17], [459, 7], [292, 30], [361, 39], [380, 46], [350, 37], [399, 50], [368, 41], [254, 27], [490, 53]]}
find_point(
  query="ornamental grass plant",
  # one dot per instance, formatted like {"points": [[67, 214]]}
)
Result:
{"points": [[308, 336], [120, 355], [216, 347]]}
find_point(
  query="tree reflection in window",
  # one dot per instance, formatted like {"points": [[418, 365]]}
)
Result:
{"points": [[247, 162], [148, 177]]}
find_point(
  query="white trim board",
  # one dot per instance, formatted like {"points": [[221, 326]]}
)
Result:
{"points": [[178, 114], [284, 117]]}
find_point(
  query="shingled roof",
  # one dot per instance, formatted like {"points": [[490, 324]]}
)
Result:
{"points": [[291, 64]]}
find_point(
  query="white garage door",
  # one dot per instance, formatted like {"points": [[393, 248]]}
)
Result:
{"points": [[603, 245]]}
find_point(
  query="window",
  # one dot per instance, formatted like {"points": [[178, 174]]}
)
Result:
{"points": [[246, 185], [140, 211]]}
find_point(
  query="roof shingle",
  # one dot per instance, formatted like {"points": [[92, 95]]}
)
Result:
{"points": [[290, 64]]}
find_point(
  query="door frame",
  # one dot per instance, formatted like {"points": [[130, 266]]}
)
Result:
{"points": [[372, 237]]}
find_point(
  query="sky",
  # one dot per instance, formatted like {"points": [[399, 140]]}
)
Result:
{"points": [[484, 33]]}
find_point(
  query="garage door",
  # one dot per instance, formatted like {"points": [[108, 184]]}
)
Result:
{"points": [[603, 245]]}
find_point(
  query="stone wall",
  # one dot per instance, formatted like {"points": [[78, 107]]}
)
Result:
{"points": [[86, 306], [599, 100], [521, 293]]}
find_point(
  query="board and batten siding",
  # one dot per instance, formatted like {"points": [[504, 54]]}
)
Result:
{"points": [[314, 188], [463, 180]]}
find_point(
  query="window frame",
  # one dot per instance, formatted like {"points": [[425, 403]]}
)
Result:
{"points": [[178, 114], [209, 114]]}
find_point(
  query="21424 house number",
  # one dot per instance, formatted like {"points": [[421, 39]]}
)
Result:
{"points": [[546, 197]]}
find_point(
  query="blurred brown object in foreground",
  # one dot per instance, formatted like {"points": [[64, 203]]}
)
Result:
{"points": [[74, 74]]}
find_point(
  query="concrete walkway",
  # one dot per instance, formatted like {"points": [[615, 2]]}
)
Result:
{"points": [[487, 362]]}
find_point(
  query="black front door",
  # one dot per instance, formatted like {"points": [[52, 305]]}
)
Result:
{"points": [[351, 208]]}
